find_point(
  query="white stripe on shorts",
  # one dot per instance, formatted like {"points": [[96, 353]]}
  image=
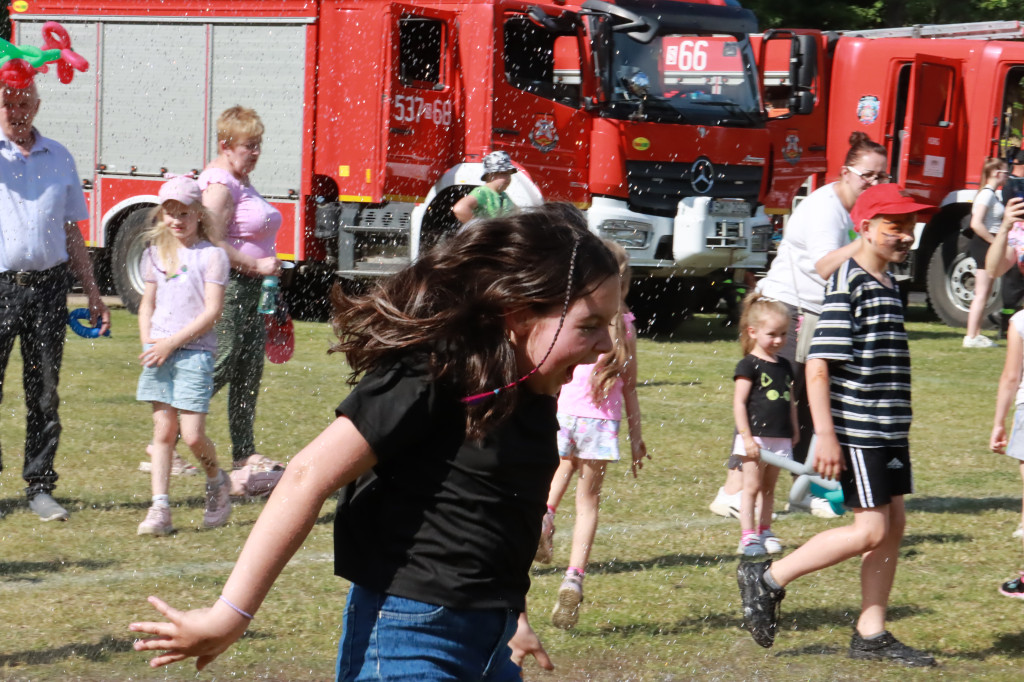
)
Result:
{"points": [[860, 476]]}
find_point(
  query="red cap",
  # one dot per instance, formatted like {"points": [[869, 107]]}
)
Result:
{"points": [[885, 199], [280, 339]]}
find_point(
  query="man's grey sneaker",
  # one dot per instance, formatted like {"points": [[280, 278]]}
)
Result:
{"points": [[1013, 588], [887, 648], [218, 501], [760, 602], [47, 508]]}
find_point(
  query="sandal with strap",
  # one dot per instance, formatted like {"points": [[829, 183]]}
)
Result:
{"points": [[258, 463]]}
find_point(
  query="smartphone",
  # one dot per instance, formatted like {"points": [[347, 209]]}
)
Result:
{"points": [[1014, 187]]}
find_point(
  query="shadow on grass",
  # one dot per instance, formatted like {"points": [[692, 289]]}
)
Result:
{"points": [[92, 651], [934, 539], [799, 619], [962, 505], [666, 561], [1009, 645], [11, 569]]}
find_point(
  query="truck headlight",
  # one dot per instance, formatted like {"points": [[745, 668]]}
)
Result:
{"points": [[631, 234]]}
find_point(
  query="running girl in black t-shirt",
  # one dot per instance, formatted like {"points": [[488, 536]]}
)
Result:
{"points": [[444, 449], [765, 416]]}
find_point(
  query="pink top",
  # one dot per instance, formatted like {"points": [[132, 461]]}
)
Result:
{"points": [[253, 230], [181, 295], [575, 396]]}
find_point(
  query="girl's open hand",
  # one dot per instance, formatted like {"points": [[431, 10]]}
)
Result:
{"points": [[998, 440], [639, 449], [203, 633]]}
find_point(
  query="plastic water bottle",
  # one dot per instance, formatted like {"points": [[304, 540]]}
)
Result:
{"points": [[268, 295]]}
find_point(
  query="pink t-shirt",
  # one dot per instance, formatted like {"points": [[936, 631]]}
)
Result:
{"points": [[575, 396], [181, 295], [253, 230]]}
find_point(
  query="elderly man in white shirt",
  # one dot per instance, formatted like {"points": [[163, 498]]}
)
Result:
{"points": [[41, 202]]}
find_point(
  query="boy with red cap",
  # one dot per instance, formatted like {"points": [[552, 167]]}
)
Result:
{"points": [[858, 386]]}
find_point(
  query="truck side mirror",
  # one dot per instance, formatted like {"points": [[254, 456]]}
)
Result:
{"points": [[801, 103], [803, 62]]}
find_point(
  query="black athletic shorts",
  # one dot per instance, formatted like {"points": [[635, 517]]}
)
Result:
{"points": [[873, 476]]}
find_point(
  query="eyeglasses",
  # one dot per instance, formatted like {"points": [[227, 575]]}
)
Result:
{"points": [[869, 176]]}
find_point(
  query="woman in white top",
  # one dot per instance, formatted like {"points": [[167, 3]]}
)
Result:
{"points": [[817, 240], [986, 216]]}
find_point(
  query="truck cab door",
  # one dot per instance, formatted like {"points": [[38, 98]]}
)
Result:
{"points": [[927, 132], [538, 114], [421, 103]]}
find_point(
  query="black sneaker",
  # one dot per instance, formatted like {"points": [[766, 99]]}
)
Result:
{"points": [[887, 647], [1013, 588], [760, 602]]}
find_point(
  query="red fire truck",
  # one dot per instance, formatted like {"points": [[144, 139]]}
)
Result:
{"points": [[647, 113], [941, 98]]}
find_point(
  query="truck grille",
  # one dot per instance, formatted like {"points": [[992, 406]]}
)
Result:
{"points": [[656, 187]]}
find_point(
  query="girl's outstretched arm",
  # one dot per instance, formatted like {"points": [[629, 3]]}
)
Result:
{"points": [[335, 458], [632, 404], [1009, 382]]}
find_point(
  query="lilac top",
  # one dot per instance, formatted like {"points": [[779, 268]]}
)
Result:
{"points": [[253, 230], [180, 297], [575, 396]]}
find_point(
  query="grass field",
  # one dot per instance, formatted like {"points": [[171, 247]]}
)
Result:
{"points": [[661, 597]]}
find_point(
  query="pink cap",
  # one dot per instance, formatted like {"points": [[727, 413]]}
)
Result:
{"points": [[181, 188]]}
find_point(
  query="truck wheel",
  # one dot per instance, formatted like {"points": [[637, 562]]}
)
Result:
{"points": [[126, 260], [951, 282]]}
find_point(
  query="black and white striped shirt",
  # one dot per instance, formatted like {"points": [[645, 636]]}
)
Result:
{"points": [[861, 335]]}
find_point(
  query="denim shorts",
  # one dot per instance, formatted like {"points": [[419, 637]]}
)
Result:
{"points": [[185, 381], [392, 638]]}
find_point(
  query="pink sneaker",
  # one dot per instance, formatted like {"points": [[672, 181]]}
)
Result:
{"points": [[157, 522], [546, 547], [248, 483], [218, 501]]}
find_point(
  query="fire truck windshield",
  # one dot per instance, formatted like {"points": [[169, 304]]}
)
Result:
{"points": [[707, 79]]}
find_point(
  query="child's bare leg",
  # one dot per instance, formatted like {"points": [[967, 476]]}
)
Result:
{"points": [[1022, 499], [878, 570], [769, 476], [193, 432], [560, 482], [748, 497], [833, 546], [588, 499], [165, 434]]}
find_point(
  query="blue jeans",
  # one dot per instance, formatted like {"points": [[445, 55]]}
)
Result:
{"points": [[393, 638]]}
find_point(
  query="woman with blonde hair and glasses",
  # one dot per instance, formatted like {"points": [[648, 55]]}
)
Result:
{"points": [[245, 225]]}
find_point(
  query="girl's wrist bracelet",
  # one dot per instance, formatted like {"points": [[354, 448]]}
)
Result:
{"points": [[236, 609]]}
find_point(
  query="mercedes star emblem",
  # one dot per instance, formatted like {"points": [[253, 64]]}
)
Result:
{"points": [[702, 176]]}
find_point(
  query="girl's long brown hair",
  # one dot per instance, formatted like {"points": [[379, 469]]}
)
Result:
{"points": [[451, 304]]}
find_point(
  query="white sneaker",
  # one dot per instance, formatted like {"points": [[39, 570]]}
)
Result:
{"points": [[157, 522], [771, 542], [979, 341], [566, 613], [1019, 533], [726, 505], [822, 508]]}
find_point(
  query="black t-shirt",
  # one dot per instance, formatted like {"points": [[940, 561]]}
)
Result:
{"points": [[768, 404], [441, 519]]}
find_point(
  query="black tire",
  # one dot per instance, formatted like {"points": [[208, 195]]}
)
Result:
{"points": [[950, 282], [126, 259]]}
